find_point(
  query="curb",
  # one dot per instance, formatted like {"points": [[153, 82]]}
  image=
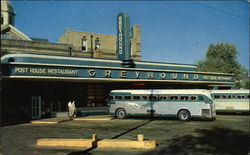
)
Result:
{"points": [[140, 143], [49, 122], [94, 119]]}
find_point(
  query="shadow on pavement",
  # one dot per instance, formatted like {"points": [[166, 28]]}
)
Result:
{"points": [[87, 151], [211, 141]]}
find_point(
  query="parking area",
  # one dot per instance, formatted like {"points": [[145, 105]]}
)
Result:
{"points": [[229, 134]]}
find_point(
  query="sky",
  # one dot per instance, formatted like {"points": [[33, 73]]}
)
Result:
{"points": [[171, 31]]}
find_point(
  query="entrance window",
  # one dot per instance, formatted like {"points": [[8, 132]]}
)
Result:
{"points": [[95, 96], [36, 107]]}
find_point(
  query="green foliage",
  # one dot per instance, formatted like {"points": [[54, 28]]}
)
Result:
{"points": [[222, 58], [244, 82]]}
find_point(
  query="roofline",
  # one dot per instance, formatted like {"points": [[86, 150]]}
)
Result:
{"points": [[115, 61]]}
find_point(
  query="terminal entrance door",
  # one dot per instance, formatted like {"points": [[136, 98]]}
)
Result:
{"points": [[96, 96], [36, 107]]}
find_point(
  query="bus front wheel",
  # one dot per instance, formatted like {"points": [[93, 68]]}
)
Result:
{"points": [[121, 113], [184, 115]]}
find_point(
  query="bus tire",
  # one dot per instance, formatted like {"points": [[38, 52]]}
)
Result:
{"points": [[184, 115], [121, 113]]}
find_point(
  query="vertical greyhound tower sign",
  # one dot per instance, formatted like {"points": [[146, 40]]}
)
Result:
{"points": [[123, 50]]}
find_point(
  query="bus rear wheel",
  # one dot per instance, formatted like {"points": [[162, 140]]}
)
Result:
{"points": [[121, 113], [184, 115]]}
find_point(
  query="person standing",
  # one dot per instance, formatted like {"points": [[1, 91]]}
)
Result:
{"points": [[71, 109]]}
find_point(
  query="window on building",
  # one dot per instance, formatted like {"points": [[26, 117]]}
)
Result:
{"points": [[97, 43], [84, 44], [10, 20], [5, 36]]}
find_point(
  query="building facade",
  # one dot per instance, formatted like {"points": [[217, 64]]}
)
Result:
{"points": [[39, 78], [100, 45]]}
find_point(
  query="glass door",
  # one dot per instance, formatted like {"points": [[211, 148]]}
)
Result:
{"points": [[36, 107]]}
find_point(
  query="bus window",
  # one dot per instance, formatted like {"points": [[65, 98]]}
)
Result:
{"points": [[144, 98], [184, 97], [201, 98], [223, 96], [233, 96], [152, 97], [118, 97], [216, 96], [163, 97], [248, 96], [229, 96], [173, 97], [136, 97], [110, 98], [240, 96], [193, 98], [127, 97]]}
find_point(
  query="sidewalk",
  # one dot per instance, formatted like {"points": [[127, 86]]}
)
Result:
{"points": [[64, 119], [51, 120]]}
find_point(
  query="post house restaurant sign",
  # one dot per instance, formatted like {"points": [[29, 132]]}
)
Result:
{"points": [[116, 74]]}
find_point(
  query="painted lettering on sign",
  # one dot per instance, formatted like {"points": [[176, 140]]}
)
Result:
{"points": [[123, 74], [196, 76], [46, 71], [21, 70], [137, 74], [185, 76], [174, 76], [163, 76], [103, 73], [120, 34], [108, 73], [92, 73], [214, 78], [150, 75]]}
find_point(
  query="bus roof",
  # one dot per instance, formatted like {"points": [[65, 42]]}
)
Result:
{"points": [[162, 91], [230, 91]]}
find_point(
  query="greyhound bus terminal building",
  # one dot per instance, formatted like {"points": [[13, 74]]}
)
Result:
{"points": [[38, 78]]}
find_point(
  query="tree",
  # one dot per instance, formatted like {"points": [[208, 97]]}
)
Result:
{"points": [[222, 57], [244, 82]]}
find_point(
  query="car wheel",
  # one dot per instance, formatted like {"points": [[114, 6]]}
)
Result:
{"points": [[184, 115], [121, 113]]}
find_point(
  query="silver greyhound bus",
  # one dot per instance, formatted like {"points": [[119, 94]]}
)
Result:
{"points": [[231, 101], [181, 103]]}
